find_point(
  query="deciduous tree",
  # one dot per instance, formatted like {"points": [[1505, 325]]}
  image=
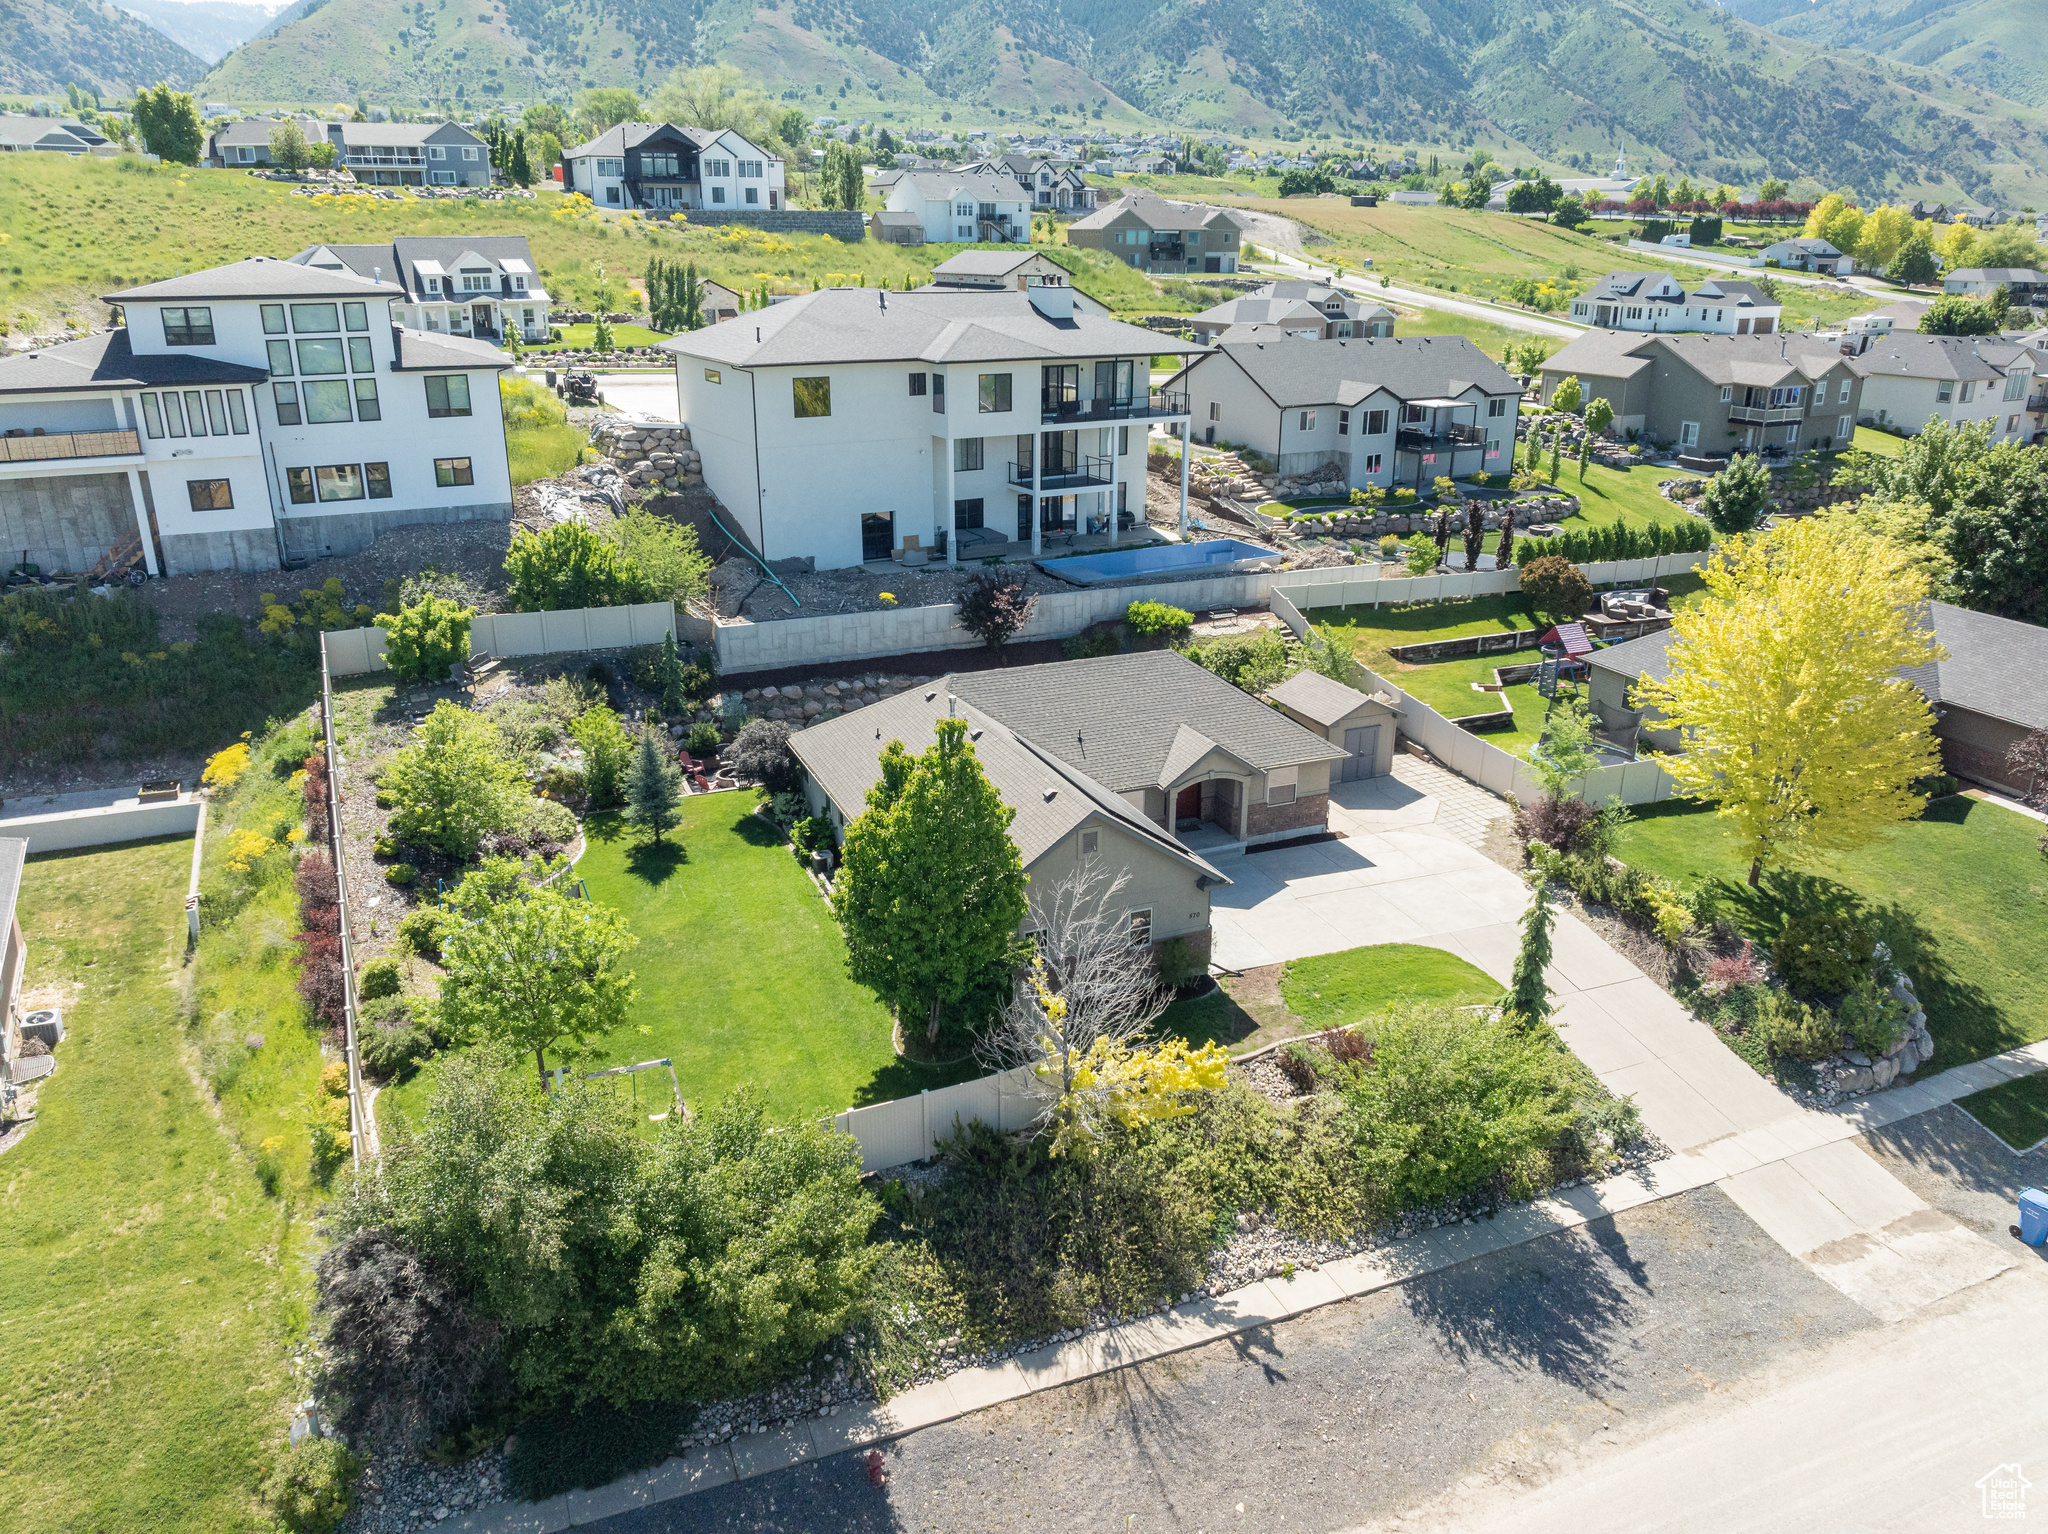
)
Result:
{"points": [[1785, 685], [566, 566], [992, 609], [453, 786], [423, 640], [169, 124], [288, 146]]}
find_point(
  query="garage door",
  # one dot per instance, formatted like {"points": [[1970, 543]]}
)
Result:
{"points": [[1361, 753]]}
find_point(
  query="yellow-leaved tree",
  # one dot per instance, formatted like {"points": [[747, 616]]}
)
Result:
{"points": [[1785, 684]]}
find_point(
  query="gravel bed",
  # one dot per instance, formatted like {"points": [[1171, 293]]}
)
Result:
{"points": [[742, 590]]}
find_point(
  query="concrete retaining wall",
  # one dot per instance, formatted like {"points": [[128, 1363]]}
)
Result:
{"points": [[125, 822], [352, 652]]}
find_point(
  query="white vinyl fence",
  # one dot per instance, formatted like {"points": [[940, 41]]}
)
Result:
{"points": [[351, 652], [908, 1128], [1474, 756]]}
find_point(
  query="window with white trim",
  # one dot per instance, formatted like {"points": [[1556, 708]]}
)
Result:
{"points": [[1308, 420], [1845, 393], [1372, 463], [1688, 433], [1141, 928], [1282, 784], [1727, 393]]}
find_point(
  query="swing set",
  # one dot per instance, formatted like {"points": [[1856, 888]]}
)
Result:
{"points": [[560, 1076]]}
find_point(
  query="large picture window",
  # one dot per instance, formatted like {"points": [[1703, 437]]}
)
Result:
{"points": [[995, 393], [452, 471], [315, 318], [316, 357], [327, 403], [813, 396], [210, 494], [448, 396], [188, 327], [287, 398], [339, 481]]}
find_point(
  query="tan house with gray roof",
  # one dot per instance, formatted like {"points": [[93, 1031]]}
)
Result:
{"points": [[1312, 309], [1910, 379], [1145, 230]]}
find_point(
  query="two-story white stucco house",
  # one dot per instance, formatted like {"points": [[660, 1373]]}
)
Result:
{"points": [[963, 205], [1910, 379], [1393, 410], [460, 285], [663, 168], [1050, 184], [1657, 302], [856, 424], [246, 414]]}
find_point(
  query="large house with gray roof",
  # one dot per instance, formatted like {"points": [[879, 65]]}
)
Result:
{"points": [[376, 154], [1910, 379], [665, 168], [853, 425], [243, 416], [1658, 302], [1713, 395], [1145, 230], [972, 203], [1379, 411], [1297, 307], [1142, 764], [479, 286]]}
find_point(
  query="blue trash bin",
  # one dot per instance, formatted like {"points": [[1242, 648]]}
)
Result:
{"points": [[2033, 1216]]}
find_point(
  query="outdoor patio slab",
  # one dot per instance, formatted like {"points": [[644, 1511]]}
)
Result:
{"points": [[1673, 1109], [778, 1448]]}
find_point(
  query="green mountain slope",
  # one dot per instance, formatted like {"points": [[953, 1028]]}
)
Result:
{"points": [[1678, 83], [52, 42], [2000, 45]]}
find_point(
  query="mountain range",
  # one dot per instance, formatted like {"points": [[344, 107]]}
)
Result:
{"points": [[2000, 45], [51, 43], [212, 29]]}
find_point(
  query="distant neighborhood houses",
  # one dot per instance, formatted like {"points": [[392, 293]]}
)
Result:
{"points": [[968, 205], [20, 133], [1805, 254], [463, 285], [2022, 285], [665, 168], [1656, 301], [1018, 269], [376, 154], [1049, 184]]}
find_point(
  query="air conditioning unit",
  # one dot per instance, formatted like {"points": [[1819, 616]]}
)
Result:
{"points": [[47, 1024]]}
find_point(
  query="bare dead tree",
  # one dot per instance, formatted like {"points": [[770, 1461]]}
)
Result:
{"points": [[2028, 759]]}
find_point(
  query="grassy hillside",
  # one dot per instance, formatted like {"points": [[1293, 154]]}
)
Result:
{"points": [[1680, 84], [1999, 45], [50, 42]]}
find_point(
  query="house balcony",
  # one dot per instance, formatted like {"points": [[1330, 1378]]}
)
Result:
{"points": [[1081, 474], [1751, 415], [25, 447], [2038, 405], [1158, 404], [1167, 250], [1447, 438]]}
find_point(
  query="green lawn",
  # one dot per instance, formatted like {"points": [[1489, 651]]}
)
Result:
{"points": [[1961, 895], [1336, 989], [1883, 443], [622, 335], [2016, 1111], [1446, 686], [148, 1289], [1370, 630], [543, 452], [1627, 495], [742, 968]]}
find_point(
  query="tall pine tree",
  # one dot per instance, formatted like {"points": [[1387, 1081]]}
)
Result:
{"points": [[1528, 998], [654, 785]]}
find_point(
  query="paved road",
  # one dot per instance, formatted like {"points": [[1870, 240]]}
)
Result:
{"points": [[1285, 265], [1347, 1414]]}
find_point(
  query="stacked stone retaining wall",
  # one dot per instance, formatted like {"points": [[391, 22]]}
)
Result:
{"points": [[651, 456]]}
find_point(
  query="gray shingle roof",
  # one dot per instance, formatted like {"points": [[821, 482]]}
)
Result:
{"points": [[1116, 717], [616, 140], [399, 259], [984, 263], [1301, 370], [1052, 799], [1628, 285], [1997, 274], [1156, 212], [1599, 354], [938, 325], [105, 361], [982, 185], [1911, 355], [259, 277], [420, 351], [1995, 666], [1320, 698], [1637, 658]]}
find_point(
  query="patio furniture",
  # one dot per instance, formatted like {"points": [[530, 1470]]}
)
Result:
{"points": [[976, 537]]}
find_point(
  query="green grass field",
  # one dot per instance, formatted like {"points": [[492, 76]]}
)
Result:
{"points": [[2016, 1111], [148, 1289], [1883, 443], [1627, 495], [622, 335], [1958, 894], [1333, 990], [742, 968]]}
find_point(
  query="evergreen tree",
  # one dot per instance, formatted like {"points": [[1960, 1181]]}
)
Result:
{"points": [[1556, 441], [522, 164], [1527, 1001], [691, 307], [654, 783]]}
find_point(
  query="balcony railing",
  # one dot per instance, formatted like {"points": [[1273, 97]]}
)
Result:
{"points": [[1155, 404], [1078, 475], [69, 444], [1422, 439], [2038, 404], [1754, 415]]}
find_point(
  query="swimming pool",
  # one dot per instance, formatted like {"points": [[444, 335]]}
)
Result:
{"points": [[1214, 556]]}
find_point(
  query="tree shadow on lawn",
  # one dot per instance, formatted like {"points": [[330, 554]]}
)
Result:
{"points": [[1964, 1020], [654, 862]]}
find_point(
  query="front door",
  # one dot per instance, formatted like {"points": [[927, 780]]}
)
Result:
{"points": [[1187, 806], [480, 317], [1023, 519], [1361, 753], [877, 535], [1060, 387]]}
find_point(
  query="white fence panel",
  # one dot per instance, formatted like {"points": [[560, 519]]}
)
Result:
{"points": [[352, 652], [607, 628], [1285, 610], [517, 634], [908, 1128]]}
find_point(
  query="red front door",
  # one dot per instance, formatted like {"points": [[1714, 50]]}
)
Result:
{"points": [[1187, 804]]}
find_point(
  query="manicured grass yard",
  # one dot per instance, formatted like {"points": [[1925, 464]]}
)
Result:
{"points": [[742, 968], [1335, 989], [1883, 443], [1628, 496], [622, 335], [148, 1289], [2016, 1111], [1961, 895]]}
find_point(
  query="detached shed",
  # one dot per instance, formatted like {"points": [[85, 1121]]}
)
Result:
{"points": [[1364, 726]]}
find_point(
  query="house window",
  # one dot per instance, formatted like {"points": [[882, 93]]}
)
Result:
{"points": [[1945, 392], [438, 152], [1792, 434], [1343, 423], [339, 481], [813, 397], [1969, 392], [315, 318], [963, 231], [995, 393], [917, 386], [217, 412], [326, 403], [753, 194], [273, 319], [195, 411], [938, 394], [188, 327], [611, 195], [1215, 410], [319, 357], [967, 513], [286, 397], [1308, 420], [2016, 386], [469, 153], [711, 375], [377, 480], [210, 494], [717, 194], [1688, 433], [280, 358], [1496, 407], [360, 357], [452, 471], [300, 483], [1727, 393], [1845, 393], [1091, 843], [152, 417], [1375, 423], [1372, 463], [1281, 783], [967, 454], [448, 395], [366, 400], [1845, 428], [355, 316], [1141, 929], [718, 167], [1123, 441], [661, 164]]}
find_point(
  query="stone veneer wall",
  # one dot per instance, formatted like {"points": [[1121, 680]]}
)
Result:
{"points": [[1309, 812]]}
